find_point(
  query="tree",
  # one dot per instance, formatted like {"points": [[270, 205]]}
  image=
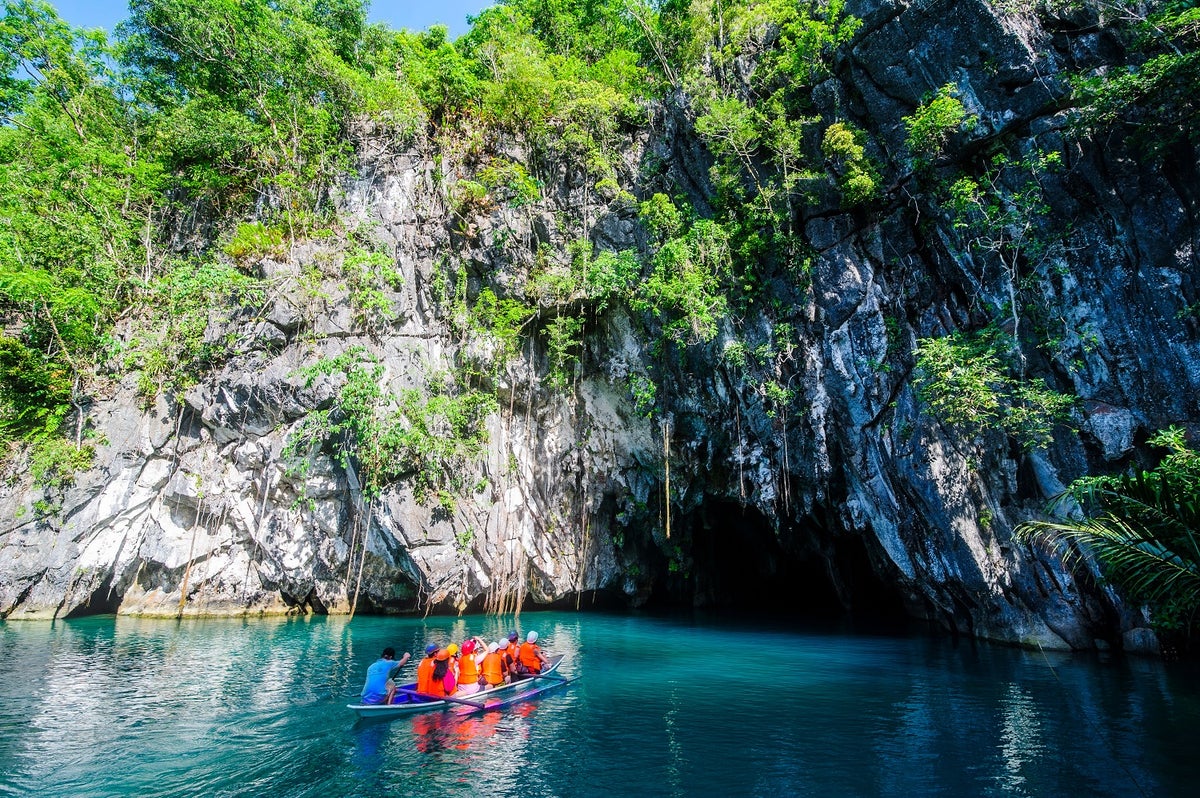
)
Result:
{"points": [[78, 190]]}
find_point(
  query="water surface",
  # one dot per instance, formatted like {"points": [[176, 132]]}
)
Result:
{"points": [[666, 706]]}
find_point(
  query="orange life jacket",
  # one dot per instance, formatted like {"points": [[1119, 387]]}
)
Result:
{"points": [[494, 668], [468, 669], [425, 676], [510, 651], [441, 685], [530, 657]]}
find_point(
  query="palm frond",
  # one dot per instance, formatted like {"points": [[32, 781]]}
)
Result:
{"points": [[1134, 556]]}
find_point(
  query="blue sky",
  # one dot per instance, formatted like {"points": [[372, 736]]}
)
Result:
{"points": [[412, 14]]}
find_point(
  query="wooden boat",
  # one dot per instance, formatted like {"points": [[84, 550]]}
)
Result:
{"points": [[407, 703]]}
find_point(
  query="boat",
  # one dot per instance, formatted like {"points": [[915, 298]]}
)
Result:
{"points": [[407, 702]]}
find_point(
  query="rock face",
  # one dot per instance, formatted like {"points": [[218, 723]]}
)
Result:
{"points": [[849, 497]]}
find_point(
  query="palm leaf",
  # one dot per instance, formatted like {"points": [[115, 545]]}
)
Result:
{"points": [[1134, 555]]}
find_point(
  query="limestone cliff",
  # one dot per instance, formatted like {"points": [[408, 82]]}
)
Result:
{"points": [[849, 497]]}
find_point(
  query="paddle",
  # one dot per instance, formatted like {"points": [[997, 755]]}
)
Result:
{"points": [[449, 698]]}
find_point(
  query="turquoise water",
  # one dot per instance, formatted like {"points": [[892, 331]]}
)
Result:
{"points": [[665, 707]]}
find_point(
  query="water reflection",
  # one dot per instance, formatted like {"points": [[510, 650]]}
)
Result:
{"points": [[1019, 737]]}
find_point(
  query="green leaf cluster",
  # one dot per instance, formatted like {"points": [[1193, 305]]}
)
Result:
{"points": [[857, 176], [684, 289], [1155, 95], [963, 379], [172, 348], [761, 123], [428, 441], [935, 121]]}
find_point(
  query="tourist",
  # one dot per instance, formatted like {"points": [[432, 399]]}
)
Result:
{"points": [[530, 656], [442, 683], [380, 686], [425, 670], [510, 651], [494, 666], [468, 669], [452, 654]]}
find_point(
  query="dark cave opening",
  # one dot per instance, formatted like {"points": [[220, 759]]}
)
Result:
{"points": [[809, 571]]}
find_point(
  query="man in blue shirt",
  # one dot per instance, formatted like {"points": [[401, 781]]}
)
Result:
{"points": [[377, 690]]}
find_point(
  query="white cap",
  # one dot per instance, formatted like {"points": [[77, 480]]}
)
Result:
{"points": [[531, 637]]}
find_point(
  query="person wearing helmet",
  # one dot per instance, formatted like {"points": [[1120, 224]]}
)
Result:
{"points": [[468, 669], [494, 666], [510, 649], [425, 670], [530, 656], [380, 686]]}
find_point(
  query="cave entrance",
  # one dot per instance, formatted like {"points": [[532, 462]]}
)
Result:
{"points": [[809, 571]]}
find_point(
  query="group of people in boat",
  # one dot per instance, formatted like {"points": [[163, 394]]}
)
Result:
{"points": [[456, 670]]}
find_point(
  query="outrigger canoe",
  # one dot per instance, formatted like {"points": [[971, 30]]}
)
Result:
{"points": [[407, 703]]}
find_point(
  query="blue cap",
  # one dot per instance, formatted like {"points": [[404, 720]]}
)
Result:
{"points": [[430, 649]]}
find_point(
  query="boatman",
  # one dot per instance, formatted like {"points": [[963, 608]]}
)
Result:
{"points": [[380, 687]]}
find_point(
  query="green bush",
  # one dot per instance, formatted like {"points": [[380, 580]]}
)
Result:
{"points": [[1141, 528], [858, 177], [934, 122], [962, 379], [254, 240], [54, 462]]}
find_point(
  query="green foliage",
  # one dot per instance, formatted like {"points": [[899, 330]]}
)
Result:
{"points": [[737, 354], [1142, 527], [54, 461], [509, 182], [962, 379], [427, 441], [563, 342], [566, 74], [280, 72], [684, 289], [1001, 217], [1155, 96], [173, 348], [79, 191], [612, 276], [763, 119], [463, 538], [430, 68], [858, 177], [367, 273], [777, 397], [935, 121], [644, 393], [254, 240], [503, 320], [468, 198], [661, 217], [35, 391]]}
